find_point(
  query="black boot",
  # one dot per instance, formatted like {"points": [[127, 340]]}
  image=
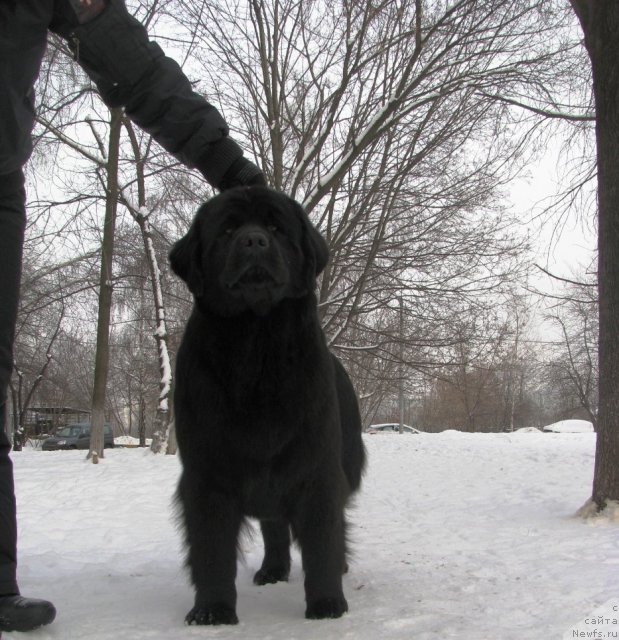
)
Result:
{"points": [[24, 614]]}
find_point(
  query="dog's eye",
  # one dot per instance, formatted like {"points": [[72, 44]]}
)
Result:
{"points": [[229, 231], [272, 228]]}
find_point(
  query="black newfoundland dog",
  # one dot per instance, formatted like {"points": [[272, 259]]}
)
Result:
{"points": [[267, 419]]}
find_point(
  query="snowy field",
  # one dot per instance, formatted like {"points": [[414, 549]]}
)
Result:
{"points": [[466, 536]]}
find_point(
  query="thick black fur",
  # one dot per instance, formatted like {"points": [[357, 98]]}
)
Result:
{"points": [[267, 419]]}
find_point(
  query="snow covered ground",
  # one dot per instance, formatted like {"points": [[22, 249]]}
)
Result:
{"points": [[468, 536]]}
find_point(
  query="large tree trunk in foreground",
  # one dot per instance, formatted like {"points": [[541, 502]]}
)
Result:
{"points": [[600, 24]]}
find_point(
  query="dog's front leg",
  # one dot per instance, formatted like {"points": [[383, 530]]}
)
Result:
{"points": [[319, 526], [212, 527]]}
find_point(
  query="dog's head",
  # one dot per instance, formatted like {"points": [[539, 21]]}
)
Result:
{"points": [[248, 249]]}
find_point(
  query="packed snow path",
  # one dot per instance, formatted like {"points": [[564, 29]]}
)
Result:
{"points": [[468, 536]]}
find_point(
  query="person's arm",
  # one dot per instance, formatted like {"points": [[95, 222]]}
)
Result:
{"points": [[133, 72]]}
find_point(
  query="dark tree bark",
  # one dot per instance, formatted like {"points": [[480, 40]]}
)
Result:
{"points": [[102, 355], [600, 24]]}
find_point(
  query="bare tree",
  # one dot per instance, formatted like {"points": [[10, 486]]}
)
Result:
{"points": [[34, 344], [102, 355], [600, 24], [396, 124], [141, 215], [111, 168], [44, 317], [575, 364], [388, 122]]}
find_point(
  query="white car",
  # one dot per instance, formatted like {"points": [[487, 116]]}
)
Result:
{"points": [[391, 427], [570, 426]]}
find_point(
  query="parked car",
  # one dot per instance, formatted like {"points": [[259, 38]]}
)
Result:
{"points": [[77, 436], [391, 427], [570, 426]]}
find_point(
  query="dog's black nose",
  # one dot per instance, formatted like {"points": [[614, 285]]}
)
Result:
{"points": [[255, 240]]}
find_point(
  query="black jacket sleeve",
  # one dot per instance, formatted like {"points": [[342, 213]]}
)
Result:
{"points": [[133, 72]]}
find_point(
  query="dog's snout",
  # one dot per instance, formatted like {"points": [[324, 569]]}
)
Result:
{"points": [[255, 240]]}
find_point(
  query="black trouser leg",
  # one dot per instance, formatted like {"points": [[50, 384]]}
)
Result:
{"points": [[8, 525], [12, 224]]}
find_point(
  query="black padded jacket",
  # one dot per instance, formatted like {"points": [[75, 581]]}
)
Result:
{"points": [[129, 71]]}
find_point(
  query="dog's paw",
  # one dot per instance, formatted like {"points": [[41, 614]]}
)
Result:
{"points": [[271, 576], [326, 608], [212, 615]]}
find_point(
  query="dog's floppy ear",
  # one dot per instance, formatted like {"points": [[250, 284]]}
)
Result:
{"points": [[315, 246], [186, 260]]}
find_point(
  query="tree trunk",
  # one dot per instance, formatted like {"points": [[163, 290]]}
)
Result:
{"points": [[102, 355], [141, 215], [161, 422], [17, 435], [142, 420], [172, 444], [600, 24]]}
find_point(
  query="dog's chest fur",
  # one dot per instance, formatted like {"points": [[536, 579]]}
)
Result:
{"points": [[251, 368], [262, 493]]}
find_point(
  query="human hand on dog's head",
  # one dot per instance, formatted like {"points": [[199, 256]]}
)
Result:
{"points": [[242, 173]]}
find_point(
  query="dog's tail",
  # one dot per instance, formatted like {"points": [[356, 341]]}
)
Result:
{"points": [[353, 451]]}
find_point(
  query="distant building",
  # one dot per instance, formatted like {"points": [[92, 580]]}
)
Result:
{"points": [[42, 420]]}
